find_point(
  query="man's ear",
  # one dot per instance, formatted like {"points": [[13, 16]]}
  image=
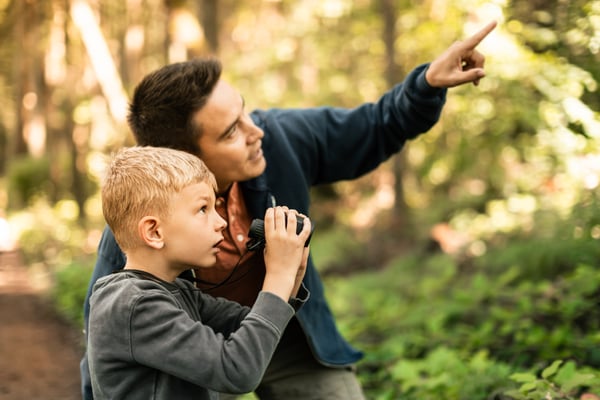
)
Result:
{"points": [[150, 232]]}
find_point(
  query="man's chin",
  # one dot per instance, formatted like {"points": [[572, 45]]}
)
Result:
{"points": [[252, 170], [258, 167]]}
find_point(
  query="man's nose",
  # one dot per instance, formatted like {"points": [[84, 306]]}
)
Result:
{"points": [[254, 133]]}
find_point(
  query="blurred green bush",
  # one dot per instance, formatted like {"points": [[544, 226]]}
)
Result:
{"points": [[70, 288], [27, 177], [436, 326]]}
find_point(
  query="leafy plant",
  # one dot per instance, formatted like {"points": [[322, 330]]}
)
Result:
{"points": [[69, 290], [557, 381]]}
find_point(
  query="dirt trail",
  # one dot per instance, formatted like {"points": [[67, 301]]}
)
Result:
{"points": [[39, 352]]}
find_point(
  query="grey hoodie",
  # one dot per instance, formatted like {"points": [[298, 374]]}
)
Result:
{"points": [[151, 339]]}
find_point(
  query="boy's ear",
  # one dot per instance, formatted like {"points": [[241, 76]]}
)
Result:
{"points": [[150, 232]]}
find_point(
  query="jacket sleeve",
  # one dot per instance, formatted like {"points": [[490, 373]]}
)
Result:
{"points": [[339, 143], [109, 258], [164, 337], [225, 318]]}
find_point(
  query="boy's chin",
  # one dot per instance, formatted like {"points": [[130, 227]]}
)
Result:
{"points": [[208, 263]]}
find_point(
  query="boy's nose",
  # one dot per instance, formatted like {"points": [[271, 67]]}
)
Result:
{"points": [[221, 223]]}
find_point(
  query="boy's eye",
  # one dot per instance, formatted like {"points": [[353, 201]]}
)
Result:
{"points": [[203, 210]]}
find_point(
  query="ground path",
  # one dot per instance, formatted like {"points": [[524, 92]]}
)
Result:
{"points": [[39, 352]]}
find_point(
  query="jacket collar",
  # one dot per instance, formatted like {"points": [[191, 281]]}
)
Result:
{"points": [[257, 196]]}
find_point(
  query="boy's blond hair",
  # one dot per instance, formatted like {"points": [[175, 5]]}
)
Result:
{"points": [[140, 181]]}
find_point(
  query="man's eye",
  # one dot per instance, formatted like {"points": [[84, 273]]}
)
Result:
{"points": [[232, 131]]}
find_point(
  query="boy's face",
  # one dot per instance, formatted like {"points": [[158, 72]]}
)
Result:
{"points": [[230, 143], [193, 229]]}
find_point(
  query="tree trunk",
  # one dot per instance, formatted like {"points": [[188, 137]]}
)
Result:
{"points": [[102, 61], [394, 74], [133, 43], [209, 17], [30, 124]]}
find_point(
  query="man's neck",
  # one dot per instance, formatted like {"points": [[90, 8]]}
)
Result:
{"points": [[225, 192]]}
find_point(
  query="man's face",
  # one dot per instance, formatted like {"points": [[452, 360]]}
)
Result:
{"points": [[230, 143]]}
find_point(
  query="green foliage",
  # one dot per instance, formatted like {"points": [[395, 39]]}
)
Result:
{"points": [[28, 177], [542, 258], [439, 327], [445, 374], [69, 290], [558, 381], [51, 235]]}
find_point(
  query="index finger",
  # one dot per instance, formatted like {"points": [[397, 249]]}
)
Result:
{"points": [[474, 40]]}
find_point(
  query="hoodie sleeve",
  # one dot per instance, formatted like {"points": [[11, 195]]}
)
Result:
{"points": [[163, 336]]}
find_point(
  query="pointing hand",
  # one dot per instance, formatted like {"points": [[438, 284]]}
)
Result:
{"points": [[460, 63]]}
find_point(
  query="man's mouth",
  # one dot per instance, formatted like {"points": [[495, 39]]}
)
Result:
{"points": [[256, 155]]}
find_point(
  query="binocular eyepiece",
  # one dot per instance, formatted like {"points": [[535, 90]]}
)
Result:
{"points": [[257, 233]]}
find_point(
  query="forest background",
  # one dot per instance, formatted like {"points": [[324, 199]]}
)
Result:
{"points": [[465, 267]]}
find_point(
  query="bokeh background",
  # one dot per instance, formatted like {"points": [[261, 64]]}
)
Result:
{"points": [[466, 267]]}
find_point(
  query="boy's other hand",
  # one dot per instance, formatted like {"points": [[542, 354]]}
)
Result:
{"points": [[301, 272], [285, 254]]}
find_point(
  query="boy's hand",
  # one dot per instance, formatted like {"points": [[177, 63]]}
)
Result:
{"points": [[301, 272], [285, 258]]}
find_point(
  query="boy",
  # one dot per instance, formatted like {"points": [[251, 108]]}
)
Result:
{"points": [[153, 335]]}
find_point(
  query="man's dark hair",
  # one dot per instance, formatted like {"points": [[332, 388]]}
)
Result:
{"points": [[164, 104]]}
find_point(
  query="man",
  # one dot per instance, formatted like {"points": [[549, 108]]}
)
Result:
{"points": [[274, 157]]}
